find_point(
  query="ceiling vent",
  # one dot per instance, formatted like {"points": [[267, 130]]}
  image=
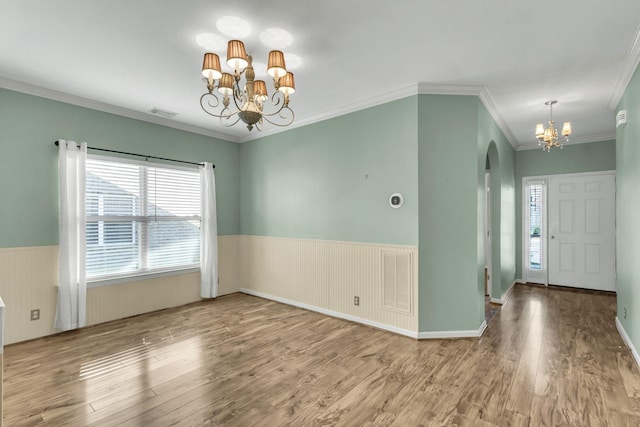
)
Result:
{"points": [[163, 113], [621, 118]]}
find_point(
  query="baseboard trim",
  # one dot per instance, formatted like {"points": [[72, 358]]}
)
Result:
{"points": [[325, 311], [505, 297], [407, 333], [454, 334], [627, 341]]}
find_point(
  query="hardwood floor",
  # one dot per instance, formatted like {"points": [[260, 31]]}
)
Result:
{"points": [[550, 357]]}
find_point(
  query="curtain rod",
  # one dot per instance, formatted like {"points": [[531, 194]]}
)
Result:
{"points": [[142, 155]]}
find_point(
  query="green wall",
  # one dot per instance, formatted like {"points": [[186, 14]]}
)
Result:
{"points": [[502, 158], [454, 137], [576, 158], [447, 155], [627, 211], [29, 170], [332, 180]]}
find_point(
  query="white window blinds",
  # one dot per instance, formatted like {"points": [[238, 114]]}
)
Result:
{"points": [[140, 217]]}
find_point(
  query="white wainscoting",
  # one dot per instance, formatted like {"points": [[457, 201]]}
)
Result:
{"points": [[29, 275], [1, 356], [326, 276], [28, 279]]}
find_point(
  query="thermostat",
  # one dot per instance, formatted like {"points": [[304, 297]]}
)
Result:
{"points": [[396, 200]]}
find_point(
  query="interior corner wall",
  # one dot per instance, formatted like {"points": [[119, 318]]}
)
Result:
{"points": [[29, 206], [448, 225], [573, 158], [627, 208], [503, 224], [315, 211]]}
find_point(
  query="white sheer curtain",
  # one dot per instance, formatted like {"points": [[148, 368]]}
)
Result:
{"points": [[209, 234], [72, 285]]}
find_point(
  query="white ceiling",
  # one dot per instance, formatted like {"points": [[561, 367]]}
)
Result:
{"points": [[131, 56]]}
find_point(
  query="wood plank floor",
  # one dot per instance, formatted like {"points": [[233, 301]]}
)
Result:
{"points": [[550, 357]]}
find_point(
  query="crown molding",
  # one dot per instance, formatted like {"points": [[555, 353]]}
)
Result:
{"points": [[481, 92], [108, 108], [340, 111], [573, 141], [414, 89], [470, 90], [626, 73], [436, 89], [488, 103]]}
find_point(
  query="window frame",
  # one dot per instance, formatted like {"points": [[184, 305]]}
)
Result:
{"points": [[534, 275], [143, 273]]}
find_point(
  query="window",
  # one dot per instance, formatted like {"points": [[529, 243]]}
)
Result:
{"points": [[141, 218], [535, 227]]}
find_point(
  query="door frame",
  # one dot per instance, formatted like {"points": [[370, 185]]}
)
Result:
{"points": [[544, 243], [488, 247]]}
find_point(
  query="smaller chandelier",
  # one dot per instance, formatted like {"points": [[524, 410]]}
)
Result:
{"points": [[548, 138], [250, 99]]}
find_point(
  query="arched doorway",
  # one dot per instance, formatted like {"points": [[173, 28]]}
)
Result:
{"points": [[492, 203]]}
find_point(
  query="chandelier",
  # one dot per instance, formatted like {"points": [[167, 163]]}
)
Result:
{"points": [[251, 102], [548, 138]]}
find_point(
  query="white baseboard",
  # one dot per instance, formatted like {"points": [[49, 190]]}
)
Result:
{"points": [[332, 313], [384, 326], [505, 297], [454, 334], [627, 341]]}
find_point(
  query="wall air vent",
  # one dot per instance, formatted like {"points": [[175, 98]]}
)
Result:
{"points": [[163, 113], [396, 281], [621, 118]]}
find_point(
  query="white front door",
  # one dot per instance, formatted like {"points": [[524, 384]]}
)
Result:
{"points": [[581, 237]]}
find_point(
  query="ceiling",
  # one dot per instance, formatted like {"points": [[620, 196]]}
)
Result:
{"points": [[129, 57]]}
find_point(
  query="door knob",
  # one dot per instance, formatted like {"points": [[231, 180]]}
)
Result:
{"points": [[553, 237]]}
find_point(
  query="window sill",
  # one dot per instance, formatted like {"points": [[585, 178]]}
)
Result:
{"points": [[95, 283]]}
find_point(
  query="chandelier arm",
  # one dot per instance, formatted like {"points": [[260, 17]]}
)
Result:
{"points": [[238, 95], [278, 102], [207, 105], [205, 99], [284, 113], [226, 120]]}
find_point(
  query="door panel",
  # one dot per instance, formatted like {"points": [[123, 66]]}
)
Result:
{"points": [[566, 216], [567, 257], [582, 231]]}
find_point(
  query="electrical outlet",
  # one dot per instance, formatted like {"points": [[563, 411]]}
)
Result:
{"points": [[356, 300], [35, 314], [624, 314]]}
